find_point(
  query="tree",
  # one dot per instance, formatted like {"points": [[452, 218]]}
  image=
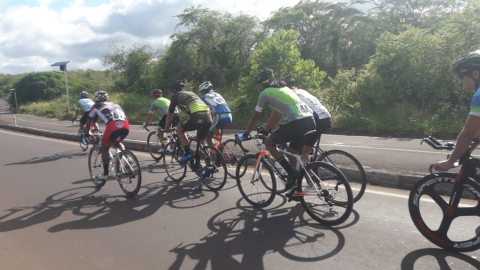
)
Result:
{"points": [[38, 86]]}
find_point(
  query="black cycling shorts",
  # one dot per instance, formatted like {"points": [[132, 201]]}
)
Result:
{"points": [[84, 118], [322, 126], [293, 132], [174, 123], [197, 121]]}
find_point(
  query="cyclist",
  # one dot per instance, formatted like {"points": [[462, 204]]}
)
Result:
{"points": [[219, 109], [161, 104], [198, 115], [320, 113], [86, 103], [284, 102], [467, 69], [116, 125]]}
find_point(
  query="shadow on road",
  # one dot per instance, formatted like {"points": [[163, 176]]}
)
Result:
{"points": [[51, 157], [446, 260]]}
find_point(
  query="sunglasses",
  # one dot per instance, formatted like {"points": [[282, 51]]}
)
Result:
{"points": [[461, 75]]}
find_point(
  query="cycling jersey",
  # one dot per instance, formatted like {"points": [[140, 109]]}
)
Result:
{"points": [[285, 101], [108, 111], [86, 103], [475, 104], [187, 102], [216, 103], [319, 111], [161, 104]]}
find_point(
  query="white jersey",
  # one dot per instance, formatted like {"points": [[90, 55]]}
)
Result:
{"points": [[319, 111], [86, 103]]}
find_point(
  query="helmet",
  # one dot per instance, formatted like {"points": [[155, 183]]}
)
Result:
{"points": [[289, 80], [156, 92], [205, 86], [100, 96], [84, 94], [467, 62], [264, 75], [176, 85]]}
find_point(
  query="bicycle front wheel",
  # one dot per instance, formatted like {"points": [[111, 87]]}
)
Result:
{"points": [[95, 165], [255, 181], [154, 145], [326, 193], [214, 170], [350, 167], [129, 173], [175, 170], [81, 140], [232, 152], [451, 228]]}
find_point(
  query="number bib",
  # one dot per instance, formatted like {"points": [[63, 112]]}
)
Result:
{"points": [[303, 108], [118, 115]]}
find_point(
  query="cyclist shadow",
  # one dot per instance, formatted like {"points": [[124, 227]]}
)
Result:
{"points": [[444, 258], [240, 238], [51, 157]]}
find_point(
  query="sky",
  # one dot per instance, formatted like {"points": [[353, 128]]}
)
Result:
{"points": [[34, 34]]}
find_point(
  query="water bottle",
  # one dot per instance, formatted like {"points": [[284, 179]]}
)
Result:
{"points": [[110, 157], [280, 168]]}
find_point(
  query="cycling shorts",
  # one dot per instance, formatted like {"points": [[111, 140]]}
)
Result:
{"points": [[322, 126], [219, 120], [84, 118], [114, 130], [174, 123], [198, 121], [293, 132]]}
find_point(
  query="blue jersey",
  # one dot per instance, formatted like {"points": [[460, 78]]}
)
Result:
{"points": [[216, 103], [475, 104]]}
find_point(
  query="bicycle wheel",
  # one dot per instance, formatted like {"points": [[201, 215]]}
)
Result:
{"points": [[330, 201], [257, 185], [154, 145], [80, 141], [232, 152], [128, 173], [451, 228], [95, 165], [214, 170], [175, 170], [350, 167]]}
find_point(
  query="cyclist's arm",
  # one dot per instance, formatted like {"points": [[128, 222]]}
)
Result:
{"points": [[253, 120], [274, 119], [149, 117], [171, 112], [77, 112]]}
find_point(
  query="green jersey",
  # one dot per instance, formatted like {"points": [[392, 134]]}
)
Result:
{"points": [[160, 104], [285, 101]]}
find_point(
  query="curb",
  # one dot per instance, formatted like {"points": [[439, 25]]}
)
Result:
{"points": [[374, 177]]}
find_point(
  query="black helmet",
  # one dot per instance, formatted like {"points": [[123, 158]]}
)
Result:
{"points": [[156, 92], [264, 75], [84, 94], [467, 62], [176, 85], [100, 96], [289, 80]]}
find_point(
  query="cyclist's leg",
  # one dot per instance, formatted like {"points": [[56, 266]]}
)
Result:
{"points": [[186, 125], [213, 129], [160, 125]]}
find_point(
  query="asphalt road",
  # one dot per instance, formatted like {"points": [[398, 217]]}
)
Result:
{"points": [[52, 217]]}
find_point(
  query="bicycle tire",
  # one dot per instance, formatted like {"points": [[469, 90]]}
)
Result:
{"points": [[213, 164], [175, 170], [255, 191], [350, 167], [95, 165], [154, 145], [84, 147], [232, 152], [434, 186], [334, 191], [128, 173]]}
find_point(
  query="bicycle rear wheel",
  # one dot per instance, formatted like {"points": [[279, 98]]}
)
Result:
{"points": [[80, 141], [232, 152], [95, 165], [350, 167], [154, 145], [214, 170], [451, 228], [129, 173], [256, 184], [331, 202], [175, 170]]}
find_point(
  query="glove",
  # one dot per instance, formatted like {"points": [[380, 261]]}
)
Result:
{"points": [[263, 131], [144, 125]]}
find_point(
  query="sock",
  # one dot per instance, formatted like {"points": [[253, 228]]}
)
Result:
{"points": [[186, 149], [105, 169], [285, 164]]}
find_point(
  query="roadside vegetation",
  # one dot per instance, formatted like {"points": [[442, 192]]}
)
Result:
{"points": [[383, 71]]}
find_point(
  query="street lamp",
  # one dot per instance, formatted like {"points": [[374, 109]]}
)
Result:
{"points": [[15, 93], [63, 68]]}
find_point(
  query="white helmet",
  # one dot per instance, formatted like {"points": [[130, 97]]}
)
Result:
{"points": [[100, 96], [205, 86]]}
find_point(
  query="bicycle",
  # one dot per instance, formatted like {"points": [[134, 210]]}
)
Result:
{"points": [[124, 167], [207, 163], [154, 145], [231, 151], [455, 195], [322, 189]]}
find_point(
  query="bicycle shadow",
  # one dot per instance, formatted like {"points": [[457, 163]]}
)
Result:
{"points": [[241, 237], [445, 259], [51, 157]]}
